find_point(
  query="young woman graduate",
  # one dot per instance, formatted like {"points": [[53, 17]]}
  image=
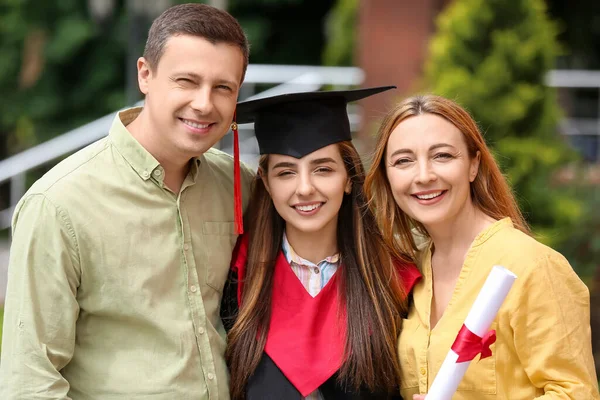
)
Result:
{"points": [[320, 298]]}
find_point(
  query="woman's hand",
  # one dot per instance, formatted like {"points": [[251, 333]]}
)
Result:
{"points": [[418, 397]]}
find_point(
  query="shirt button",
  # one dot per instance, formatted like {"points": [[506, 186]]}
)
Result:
{"points": [[157, 172], [145, 174], [423, 371], [316, 270], [201, 331], [193, 289], [210, 376], [186, 247]]}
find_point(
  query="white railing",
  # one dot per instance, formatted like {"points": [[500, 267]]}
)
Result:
{"points": [[287, 79], [577, 126]]}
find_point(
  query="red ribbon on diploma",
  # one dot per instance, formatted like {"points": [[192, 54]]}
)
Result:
{"points": [[467, 344]]}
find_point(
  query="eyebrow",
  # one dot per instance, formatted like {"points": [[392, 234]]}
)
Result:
{"points": [[284, 164], [409, 151], [316, 161], [323, 160], [186, 74]]}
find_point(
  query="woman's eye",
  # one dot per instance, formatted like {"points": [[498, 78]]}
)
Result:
{"points": [[444, 155], [323, 170], [402, 161]]}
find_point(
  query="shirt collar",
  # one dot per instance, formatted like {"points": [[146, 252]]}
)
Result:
{"points": [[195, 168], [144, 164], [293, 257], [491, 230]]}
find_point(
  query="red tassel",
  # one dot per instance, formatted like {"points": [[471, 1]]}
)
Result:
{"points": [[237, 184]]}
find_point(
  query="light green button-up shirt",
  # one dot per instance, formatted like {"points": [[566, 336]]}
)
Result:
{"points": [[115, 282]]}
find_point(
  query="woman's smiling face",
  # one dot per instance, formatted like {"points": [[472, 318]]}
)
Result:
{"points": [[429, 169]]}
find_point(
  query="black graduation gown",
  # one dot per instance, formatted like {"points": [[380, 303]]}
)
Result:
{"points": [[268, 382]]}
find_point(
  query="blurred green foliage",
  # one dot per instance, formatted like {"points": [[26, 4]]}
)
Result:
{"points": [[582, 245], [283, 31], [342, 31], [491, 56], [58, 69], [580, 32]]}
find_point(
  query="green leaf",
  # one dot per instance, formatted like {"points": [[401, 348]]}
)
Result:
{"points": [[71, 34]]}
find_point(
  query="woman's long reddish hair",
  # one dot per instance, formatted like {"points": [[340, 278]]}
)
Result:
{"points": [[490, 191], [370, 288]]}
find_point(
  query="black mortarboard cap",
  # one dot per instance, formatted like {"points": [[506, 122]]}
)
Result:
{"points": [[297, 124]]}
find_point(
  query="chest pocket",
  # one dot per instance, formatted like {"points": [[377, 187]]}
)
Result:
{"points": [[481, 374], [219, 240]]}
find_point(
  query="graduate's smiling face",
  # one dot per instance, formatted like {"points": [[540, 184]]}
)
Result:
{"points": [[308, 192], [191, 94]]}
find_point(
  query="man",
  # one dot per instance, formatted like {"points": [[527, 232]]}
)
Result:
{"points": [[120, 252]]}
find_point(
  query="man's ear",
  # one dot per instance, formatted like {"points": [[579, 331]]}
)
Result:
{"points": [[144, 74]]}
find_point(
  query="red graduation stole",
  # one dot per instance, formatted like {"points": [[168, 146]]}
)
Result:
{"points": [[306, 335]]}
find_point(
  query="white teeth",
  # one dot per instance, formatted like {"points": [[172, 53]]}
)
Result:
{"points": [[428, 196], [195, 125], [308, 208]]}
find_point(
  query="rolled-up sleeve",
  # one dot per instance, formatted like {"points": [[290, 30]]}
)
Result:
{"points": [[552, 330], [41, 306]]}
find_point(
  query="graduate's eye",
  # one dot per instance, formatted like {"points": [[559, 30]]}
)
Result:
{"points": [[285, 173], [323, 170]]}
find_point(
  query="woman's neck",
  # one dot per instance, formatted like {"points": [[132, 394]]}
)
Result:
{"points": [[313, 246], [453, 238]]}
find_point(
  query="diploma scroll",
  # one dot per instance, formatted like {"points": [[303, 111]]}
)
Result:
{"points": [[474, 337]]}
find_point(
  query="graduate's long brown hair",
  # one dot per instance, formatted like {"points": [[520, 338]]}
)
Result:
{"points": [[370, 288], [490, 191]]}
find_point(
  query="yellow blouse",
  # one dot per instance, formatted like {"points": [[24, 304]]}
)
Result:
{"points": [[543, 347]]}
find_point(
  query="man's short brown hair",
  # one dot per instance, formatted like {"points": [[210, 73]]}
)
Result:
{"points": [[210, 23]]}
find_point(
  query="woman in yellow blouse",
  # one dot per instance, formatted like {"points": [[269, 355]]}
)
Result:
{"points": [[434, 178]]}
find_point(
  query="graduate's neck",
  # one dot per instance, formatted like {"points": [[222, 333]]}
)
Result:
{"points": [[313, 246]]}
